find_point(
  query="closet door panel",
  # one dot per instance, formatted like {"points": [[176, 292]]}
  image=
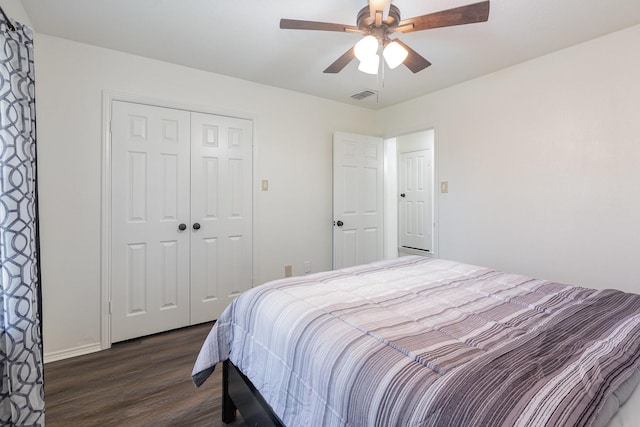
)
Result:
{"points": [[221, 203], [150, 198]]}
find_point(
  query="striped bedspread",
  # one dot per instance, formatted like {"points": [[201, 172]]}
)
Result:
{"points": [[426, 342]]}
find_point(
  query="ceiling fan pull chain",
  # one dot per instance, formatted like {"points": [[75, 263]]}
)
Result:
{"points": [[380, 82]]}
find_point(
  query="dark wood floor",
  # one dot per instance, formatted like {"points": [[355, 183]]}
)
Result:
{"points": [[142, 382]]}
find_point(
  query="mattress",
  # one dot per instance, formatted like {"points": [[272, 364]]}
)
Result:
{"points": [[423, 341], [622, 408]]}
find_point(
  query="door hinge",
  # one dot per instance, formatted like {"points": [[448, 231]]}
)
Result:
{"points": [[110, 307]]}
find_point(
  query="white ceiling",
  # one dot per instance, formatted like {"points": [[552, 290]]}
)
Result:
{"points": [[241, 38]]}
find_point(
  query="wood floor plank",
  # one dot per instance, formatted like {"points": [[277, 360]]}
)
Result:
{"points": [[141, 382]]}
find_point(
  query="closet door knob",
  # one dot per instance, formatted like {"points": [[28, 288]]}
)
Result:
{"points": [[403, 195], [196, 226], [182, 227], [339, 223]]}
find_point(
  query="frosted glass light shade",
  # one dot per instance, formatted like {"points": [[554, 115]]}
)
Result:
{"points": [[394, 54], [370, 65], [366, 48]]}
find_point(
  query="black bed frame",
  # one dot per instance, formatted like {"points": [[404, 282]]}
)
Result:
{"points": [[239, 394]]}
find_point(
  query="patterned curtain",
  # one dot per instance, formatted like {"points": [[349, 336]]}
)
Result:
{"points": [[22, 392]]}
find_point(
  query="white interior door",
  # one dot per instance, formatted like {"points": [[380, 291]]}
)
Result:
{"points": [[221, 205], [415, 212], [149, 253], [357, 199]]}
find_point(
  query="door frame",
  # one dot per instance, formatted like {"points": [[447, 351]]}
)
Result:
{"points": [[105, 207], [391, 178]]}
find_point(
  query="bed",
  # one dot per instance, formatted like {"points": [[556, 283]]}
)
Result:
{"points": [[419, 341]]}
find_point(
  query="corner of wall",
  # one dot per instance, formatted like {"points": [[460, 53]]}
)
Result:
{"points": [[14, 10]]}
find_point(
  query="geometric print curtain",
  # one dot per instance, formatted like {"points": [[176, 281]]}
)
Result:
{"points": [[22, 393]]}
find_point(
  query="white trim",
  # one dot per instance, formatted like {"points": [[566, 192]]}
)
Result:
{"points": [[146, 100], [257, 188], [105, 222], [390, 198], [436, 189], [72, 352], [105, 225], [410, 251]]}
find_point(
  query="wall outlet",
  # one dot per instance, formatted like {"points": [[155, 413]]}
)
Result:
{"points": [[287, 271], [307, 267]]}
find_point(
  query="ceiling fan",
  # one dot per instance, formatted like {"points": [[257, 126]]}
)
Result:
{"points": [[378, 21]]}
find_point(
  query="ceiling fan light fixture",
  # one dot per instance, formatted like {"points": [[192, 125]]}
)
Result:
{"points": [[370, 65], [366, 48], [394, 54]]}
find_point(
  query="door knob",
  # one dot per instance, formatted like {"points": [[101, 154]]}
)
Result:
{"points": [[339, 223], [403, 195], [182, 227], [196, 226]]}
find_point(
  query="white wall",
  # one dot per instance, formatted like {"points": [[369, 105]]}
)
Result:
{"points": [[541, 158], [294, 137], [543, 164], [14, 10]]}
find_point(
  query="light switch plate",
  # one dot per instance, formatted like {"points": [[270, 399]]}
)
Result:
{"points": [[444, 187], [265, 185]]}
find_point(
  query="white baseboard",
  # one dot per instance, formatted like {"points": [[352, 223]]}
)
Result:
{"points": [[72, 352]]}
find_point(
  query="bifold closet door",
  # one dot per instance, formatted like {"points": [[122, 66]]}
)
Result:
{"points": [[150, 283], [181, 240], [221, 213]]}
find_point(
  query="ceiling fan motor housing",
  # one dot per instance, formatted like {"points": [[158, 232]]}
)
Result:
{"points": [[368, 24]]}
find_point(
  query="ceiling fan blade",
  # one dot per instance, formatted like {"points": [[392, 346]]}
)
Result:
{"points": [[341, 62], [477, 12], [294, 24], [414, 61]]}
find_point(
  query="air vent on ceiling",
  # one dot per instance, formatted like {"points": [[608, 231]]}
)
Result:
{"points": [[365, 93]]}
